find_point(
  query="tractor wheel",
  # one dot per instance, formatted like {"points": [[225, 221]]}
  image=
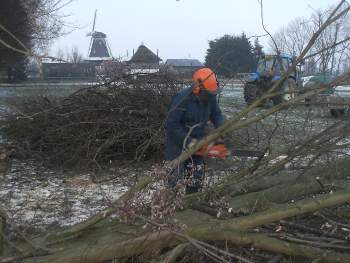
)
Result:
{"points": [[250, 92], [336, 113], [289, 84]]}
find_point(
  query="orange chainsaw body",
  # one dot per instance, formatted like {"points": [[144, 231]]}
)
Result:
{"points": [[215, 151]]}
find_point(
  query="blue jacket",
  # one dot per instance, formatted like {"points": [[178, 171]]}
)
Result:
{"points": [[186, 111]]}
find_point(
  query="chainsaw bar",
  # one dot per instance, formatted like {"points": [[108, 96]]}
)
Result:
{"points": [[247, 153]]}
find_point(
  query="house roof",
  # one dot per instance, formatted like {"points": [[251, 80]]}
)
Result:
{"points": [[184, 63], [144, 55]]}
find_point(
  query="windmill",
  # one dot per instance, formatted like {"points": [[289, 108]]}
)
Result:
{"points": [[99, 49]]}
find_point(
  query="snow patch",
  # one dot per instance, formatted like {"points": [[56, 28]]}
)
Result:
{"points": [[37, 197]]}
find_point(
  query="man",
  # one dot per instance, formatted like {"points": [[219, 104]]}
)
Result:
{"points": [[189, 112]]}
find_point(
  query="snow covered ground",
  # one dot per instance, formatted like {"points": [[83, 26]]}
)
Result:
{"points": [[35, 196]]}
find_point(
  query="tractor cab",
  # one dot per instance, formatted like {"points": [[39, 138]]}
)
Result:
{"points": [[270, 68], [273, 65]]}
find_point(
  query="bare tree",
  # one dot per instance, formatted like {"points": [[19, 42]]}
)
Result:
{"points": [[328, 48], [28, 27], [46, 20], [60, 54], [293, 38], [75, 55]]}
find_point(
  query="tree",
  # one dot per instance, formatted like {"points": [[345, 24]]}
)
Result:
{"points": [[60, 54], [14, 17], [293, 38], [75, 56], [26, 27], [230, 55], [257, 46], [329, 58]]}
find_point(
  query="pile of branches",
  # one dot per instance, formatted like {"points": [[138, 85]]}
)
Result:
{"points": [[118, 120]]}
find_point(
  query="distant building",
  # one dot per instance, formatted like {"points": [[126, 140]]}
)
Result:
{"points": [[61, 70], [99, 49], [144, 61], [184, 66]]}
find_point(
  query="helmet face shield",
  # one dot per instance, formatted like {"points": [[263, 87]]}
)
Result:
{"points": [[205, 78]]}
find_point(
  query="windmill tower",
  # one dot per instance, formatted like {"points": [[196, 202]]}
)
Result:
{"points": [[99, 49]]}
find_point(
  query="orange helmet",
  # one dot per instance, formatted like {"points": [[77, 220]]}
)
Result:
{"points": [[205, 78]]}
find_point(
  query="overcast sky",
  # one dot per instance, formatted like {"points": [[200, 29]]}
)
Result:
{"points": [[179, 29]]}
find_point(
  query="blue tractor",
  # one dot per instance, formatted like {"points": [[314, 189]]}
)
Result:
{"points": [[270, 68]]}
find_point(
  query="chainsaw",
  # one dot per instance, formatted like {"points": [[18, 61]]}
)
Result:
{"points": [[220, 151]]}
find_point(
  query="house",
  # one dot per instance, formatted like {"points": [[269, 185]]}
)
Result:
{"points": [[184, 66], [144, 61]]}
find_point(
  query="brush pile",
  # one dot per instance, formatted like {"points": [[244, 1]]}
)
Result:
{"points": [[119, 120]]}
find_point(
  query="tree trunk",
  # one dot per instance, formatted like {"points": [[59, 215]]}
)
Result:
{"points": [[116, 241], [273, 245]]}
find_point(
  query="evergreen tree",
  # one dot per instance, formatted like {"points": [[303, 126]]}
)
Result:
{"points": [[15, 18], [257, 47], [230, 55]]}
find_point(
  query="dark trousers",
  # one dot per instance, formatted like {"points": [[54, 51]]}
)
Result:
{"points": [[192, 171]]}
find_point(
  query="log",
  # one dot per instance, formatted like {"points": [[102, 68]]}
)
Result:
{"points": [[261, 200], [334, 171], [289, 210], [106, 248], [95, 248], [279, 194], [176, 253], [273, 245], [261, 193], [229, 187]]}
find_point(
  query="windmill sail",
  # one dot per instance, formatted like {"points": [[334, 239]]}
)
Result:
{"points": [[92, 31]]}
